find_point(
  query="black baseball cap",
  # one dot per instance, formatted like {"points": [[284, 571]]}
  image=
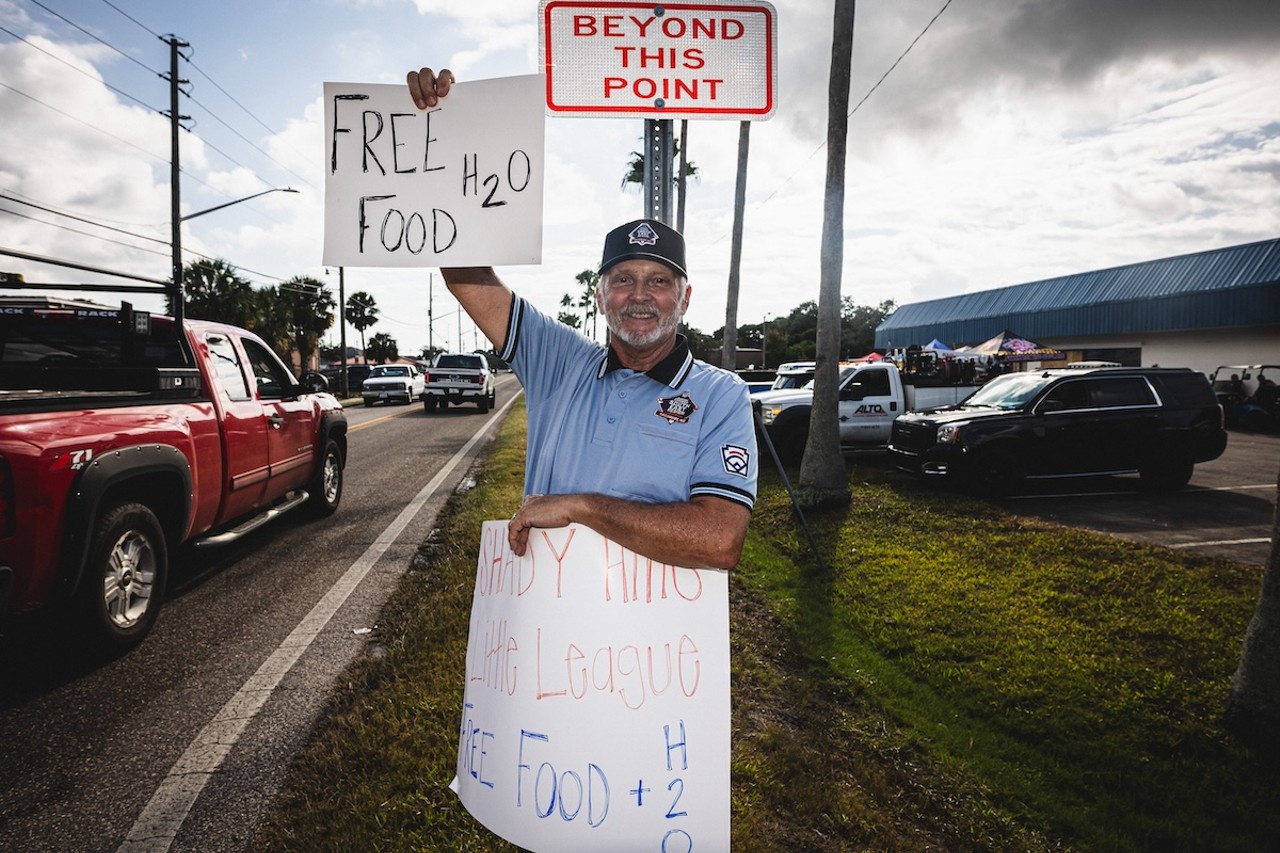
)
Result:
{"points": [[647, 239]]}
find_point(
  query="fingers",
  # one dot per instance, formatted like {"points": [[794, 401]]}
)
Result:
{"points": [[427, 88]]}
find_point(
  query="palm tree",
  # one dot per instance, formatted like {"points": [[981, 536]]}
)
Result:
{"points": [[309, 308], [729, 344], [823, 480], [383, 348], [362, 312], [587, 299], [635, 175], [215, 290]]}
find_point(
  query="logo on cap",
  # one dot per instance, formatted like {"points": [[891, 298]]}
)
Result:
{"points": [[643, 235]]}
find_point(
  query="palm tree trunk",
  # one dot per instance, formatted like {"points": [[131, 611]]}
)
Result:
{"points": [[729, 343], [1253, 707], [823, 480]]}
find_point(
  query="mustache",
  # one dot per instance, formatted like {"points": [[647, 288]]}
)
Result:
{"points": [[642, 312]]}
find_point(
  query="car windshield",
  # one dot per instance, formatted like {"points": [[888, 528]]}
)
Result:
{"points": [[1011, 391], [388, 371]]}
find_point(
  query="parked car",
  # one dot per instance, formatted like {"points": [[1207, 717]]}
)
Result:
{"points": [[1155, 422], [460, 377], [401, 383]]}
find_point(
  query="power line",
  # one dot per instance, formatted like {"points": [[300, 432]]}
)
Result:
{"points": [[900, 58], [96, 38], [131, 18], [78, 70], [81, 233], [823, 144], [7, 197]]}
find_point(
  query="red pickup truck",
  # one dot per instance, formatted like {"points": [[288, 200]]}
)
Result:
{"points": [[123, 437]]}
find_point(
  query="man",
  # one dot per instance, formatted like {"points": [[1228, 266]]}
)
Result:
{"points": [[637, 440]]}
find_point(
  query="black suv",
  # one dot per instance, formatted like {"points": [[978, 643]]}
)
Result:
{"points": [[1156, 422]]}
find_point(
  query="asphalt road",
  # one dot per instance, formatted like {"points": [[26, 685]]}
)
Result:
{"points": [[1225, 511], [181, 744]]}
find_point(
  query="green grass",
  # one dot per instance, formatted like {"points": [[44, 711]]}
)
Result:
{"points": [[958, 678]]}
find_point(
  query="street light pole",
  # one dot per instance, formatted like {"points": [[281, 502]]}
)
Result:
{"points": [[237, 201]]}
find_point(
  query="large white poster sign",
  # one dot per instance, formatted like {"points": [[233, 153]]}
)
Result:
{"points": [[596, 710], [459, 184]]}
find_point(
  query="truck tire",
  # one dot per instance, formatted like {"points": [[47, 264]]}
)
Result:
{"points": [[325, 488], [1166, 470], [994, 474], [126, 568], [483, 403], [428, 404], [792, 441]]}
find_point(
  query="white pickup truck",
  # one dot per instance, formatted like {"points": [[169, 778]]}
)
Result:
{"points": [[401, 383], [459, 377], [871, 396]]}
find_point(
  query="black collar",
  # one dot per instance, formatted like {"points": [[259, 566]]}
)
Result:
{"points": [[670, 371]]}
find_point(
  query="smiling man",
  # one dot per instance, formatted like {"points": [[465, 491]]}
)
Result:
{"points": [[637, 440]]}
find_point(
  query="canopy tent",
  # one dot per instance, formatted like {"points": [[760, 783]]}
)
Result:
{"points": [[1009, 347], [938, 346], [869, 357]]}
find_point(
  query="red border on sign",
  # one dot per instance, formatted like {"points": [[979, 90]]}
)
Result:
{"points": [[659, 111]]}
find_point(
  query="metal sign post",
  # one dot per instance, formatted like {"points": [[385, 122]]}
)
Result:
{"points": [[658, 153]]}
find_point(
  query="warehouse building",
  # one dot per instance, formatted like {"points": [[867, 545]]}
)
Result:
{"points": [[1200, 311]]}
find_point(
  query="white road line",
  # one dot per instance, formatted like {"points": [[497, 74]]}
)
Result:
{"points": [[157, 826], [1220, 542]]}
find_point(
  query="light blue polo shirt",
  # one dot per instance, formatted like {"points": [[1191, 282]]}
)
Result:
{"points": [[681, 429]]}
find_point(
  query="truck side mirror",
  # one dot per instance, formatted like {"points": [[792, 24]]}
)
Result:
{"points": [[314, 383]]}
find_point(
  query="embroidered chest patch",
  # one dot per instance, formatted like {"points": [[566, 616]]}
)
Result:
{"points": [[677, 409]]}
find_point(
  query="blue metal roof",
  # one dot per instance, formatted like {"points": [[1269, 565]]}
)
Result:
{"points": [[1235, 286]]}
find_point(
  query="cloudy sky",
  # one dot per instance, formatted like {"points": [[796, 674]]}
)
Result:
{"points": [[1016, 140]]}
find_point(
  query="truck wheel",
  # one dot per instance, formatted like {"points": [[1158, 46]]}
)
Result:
{"points": [[429, 404], [994, 475], [1166, 470], [792, 442], [325, 489], [493, 399], [124, 577], [483, 404]]}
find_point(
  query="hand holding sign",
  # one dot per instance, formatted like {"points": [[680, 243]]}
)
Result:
{"points": [[406, 187]]}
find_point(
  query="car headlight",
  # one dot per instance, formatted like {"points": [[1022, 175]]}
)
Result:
{"points": [[949, 433]]}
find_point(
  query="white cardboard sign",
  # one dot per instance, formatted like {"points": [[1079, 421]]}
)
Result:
{"points": [[459, 184], [596, 709]]}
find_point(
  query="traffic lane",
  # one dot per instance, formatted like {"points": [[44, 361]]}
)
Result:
{"points": [[71, 730], [1225, 511]]}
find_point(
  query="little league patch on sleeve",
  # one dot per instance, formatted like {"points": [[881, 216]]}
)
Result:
{"points": [[737, 460]]}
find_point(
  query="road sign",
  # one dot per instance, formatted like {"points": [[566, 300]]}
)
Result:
{"points": [[660, 60]]}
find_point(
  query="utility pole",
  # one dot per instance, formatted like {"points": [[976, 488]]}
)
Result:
{"points": [[344, 385], [431, 286], [175, 208]]}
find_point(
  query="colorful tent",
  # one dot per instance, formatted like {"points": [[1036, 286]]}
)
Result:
{"points": [[1009, 347], [938, 346]]}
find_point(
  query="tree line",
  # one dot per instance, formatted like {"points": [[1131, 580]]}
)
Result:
{"points": [[791, 337]]}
